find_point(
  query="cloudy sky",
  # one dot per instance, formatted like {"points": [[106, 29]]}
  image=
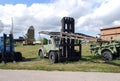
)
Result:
{"points": [[46, 15]]}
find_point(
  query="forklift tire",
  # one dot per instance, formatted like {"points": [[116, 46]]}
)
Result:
{"points": [[53, 57], [18, 56], [40, 54], [107, 56]]}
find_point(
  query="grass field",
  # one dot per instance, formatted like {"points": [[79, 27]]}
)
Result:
{"points": [[89, 62]]}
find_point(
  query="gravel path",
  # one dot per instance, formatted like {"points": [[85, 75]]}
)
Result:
{"points": [[31, 75]]}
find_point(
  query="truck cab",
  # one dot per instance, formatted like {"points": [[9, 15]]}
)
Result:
{"points": [[52, 45]]}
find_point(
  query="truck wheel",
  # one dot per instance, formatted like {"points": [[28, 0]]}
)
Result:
{"points": [[107, 56], [40, 53], [53, 57]]}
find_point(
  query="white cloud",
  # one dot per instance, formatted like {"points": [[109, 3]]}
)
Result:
{"points": [[106, 15], [116, 23], [90, 15]]}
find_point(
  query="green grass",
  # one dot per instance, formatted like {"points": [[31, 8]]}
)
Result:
{"points": [[89, 62]]}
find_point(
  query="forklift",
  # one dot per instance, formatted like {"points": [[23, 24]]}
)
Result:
{"points": [[7, 51], [61, 45]]}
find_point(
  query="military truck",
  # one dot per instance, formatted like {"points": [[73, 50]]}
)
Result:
{"points": [[108, 50], [61, 45]]}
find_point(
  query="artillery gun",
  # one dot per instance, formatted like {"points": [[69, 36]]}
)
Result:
{"points": [[108, 50]]}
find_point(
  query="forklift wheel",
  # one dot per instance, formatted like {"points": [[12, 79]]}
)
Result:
{"points": [[18, 56], [53, 57], [0, 57]]}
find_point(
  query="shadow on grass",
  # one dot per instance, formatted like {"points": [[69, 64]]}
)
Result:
{"points": [[96, 59], [29, 59], [113, 63], [91, 58]]}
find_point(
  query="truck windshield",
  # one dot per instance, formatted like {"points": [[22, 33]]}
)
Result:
{"points": [[56, 42]]}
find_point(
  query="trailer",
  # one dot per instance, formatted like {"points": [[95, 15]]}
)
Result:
{"points": [[108, 50]]}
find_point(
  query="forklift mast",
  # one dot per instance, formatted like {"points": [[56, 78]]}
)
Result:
{"points": [[67, 45]]}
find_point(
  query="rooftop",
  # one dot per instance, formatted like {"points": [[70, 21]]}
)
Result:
{"points": [[110, 28]]}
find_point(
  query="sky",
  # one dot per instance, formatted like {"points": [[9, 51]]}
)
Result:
{"points": [[27, 2], [45, 15]]}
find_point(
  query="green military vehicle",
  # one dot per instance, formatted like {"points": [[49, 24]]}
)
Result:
{"points": [[108, 50], [61, 45]]}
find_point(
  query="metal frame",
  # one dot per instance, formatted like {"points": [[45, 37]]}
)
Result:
{"points": [[4, 53], [67, 40]]}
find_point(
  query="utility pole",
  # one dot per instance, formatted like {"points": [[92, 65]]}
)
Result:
{"points": [[11, 32]]}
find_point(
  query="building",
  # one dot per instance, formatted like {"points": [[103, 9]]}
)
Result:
{"points": [[110, 33], [87, 37], [18, 41]]}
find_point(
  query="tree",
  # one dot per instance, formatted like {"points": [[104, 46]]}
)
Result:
{"points": [[44, 41], [30, 35]]}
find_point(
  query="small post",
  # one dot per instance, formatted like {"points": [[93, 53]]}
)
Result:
{"points": [[4, 49]]}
